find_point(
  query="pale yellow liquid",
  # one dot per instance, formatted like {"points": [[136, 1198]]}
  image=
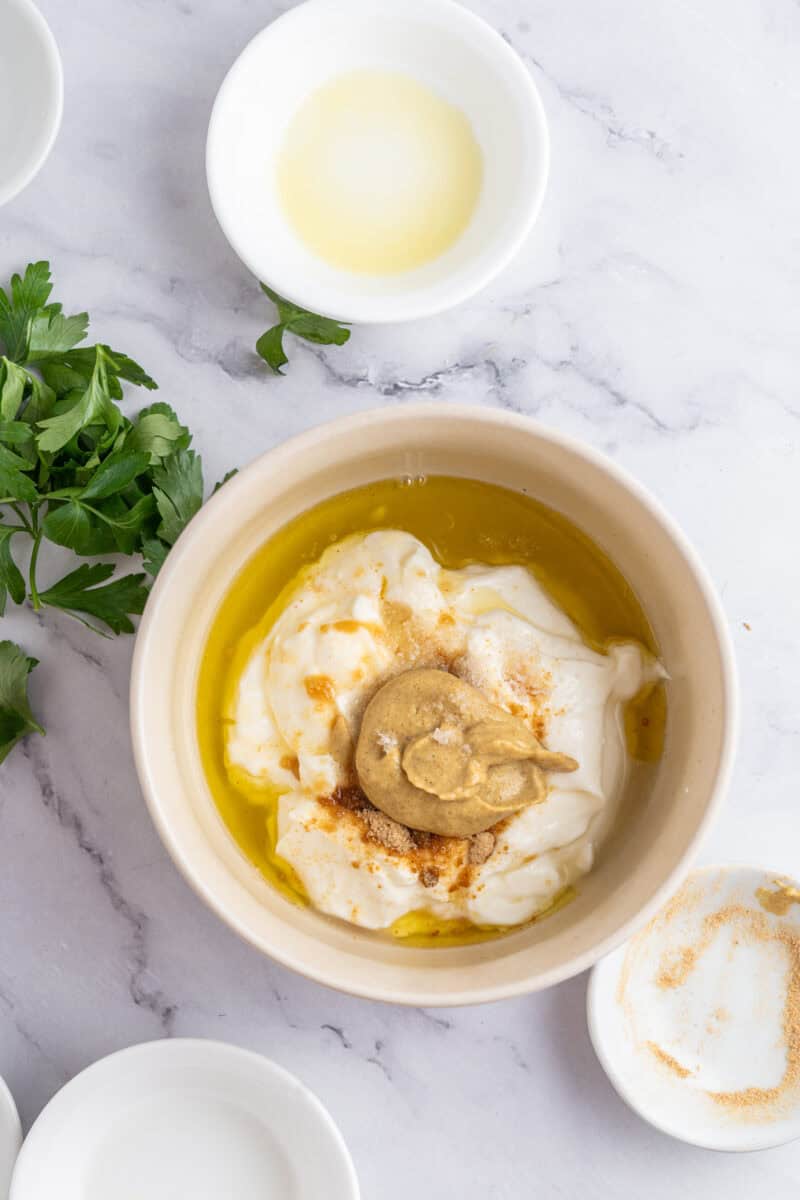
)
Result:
{"points": [[460, 521], [378, 174]]}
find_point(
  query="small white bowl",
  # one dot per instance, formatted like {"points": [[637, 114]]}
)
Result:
{"points": [[442, 45], [637, 869], [31, 94], [184, 1118], [687, 1018], [10, 1137]]}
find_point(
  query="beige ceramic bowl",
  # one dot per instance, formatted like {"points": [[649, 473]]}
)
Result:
{"points": [[638, 868]]}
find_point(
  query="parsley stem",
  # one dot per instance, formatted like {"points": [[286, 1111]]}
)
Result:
{"points": [[37, 541], [26, 525]]}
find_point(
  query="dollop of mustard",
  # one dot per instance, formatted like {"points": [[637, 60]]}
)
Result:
{"points": [[434, 754]]}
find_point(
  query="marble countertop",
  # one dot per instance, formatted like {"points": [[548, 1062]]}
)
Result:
{"points": [[655, 314]]}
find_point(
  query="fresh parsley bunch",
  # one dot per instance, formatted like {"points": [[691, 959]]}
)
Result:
{"points": [[76, 471]]}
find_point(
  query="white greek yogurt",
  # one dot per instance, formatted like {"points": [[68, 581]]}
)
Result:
{"points": [[376, 604]]}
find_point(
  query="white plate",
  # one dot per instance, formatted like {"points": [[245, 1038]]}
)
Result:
{"points": [[440, 44], [689, 1018], [31, 94], [184, 1119]]}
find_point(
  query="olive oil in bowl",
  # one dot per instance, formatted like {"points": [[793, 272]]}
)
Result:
{"points": [[378, 173]]}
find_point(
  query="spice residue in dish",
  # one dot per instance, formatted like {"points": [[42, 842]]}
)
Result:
{"points": [[688, 936], [779, 901], [675, 969], [668, 1061], [753, 925]]}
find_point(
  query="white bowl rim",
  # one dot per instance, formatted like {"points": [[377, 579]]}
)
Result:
{"points": [[52, 55], [571, 966], [377, 310], [623, 1091]]}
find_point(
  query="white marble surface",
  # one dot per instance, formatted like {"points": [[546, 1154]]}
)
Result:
{"points": [[656, 313]]}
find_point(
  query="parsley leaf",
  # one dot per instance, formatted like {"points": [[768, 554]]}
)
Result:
{"points": [[29, 295], [13, 483], [71, 371], [39, 400], [270, 347], [221, 482], [158, 432], [178, 489], [16, 718], [11, 581], [95, 406], [322, 331], [154, 555], [71, 525], [111, 604], [13, 381], [114, 474], [51, 333]]}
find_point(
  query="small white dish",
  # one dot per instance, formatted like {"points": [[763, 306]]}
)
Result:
{"points": [[10, 1138], [696, 1021], [442, 45], [31, 94], [184, 1118]]}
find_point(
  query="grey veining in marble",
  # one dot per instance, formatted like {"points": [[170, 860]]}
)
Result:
{"points": [[655, 313]]}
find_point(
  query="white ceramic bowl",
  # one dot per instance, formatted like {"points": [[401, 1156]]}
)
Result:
{"points": [[444, 46], [637, 869], [10, 1137], [718, 1027], [184, 1117], [31, 94]]}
